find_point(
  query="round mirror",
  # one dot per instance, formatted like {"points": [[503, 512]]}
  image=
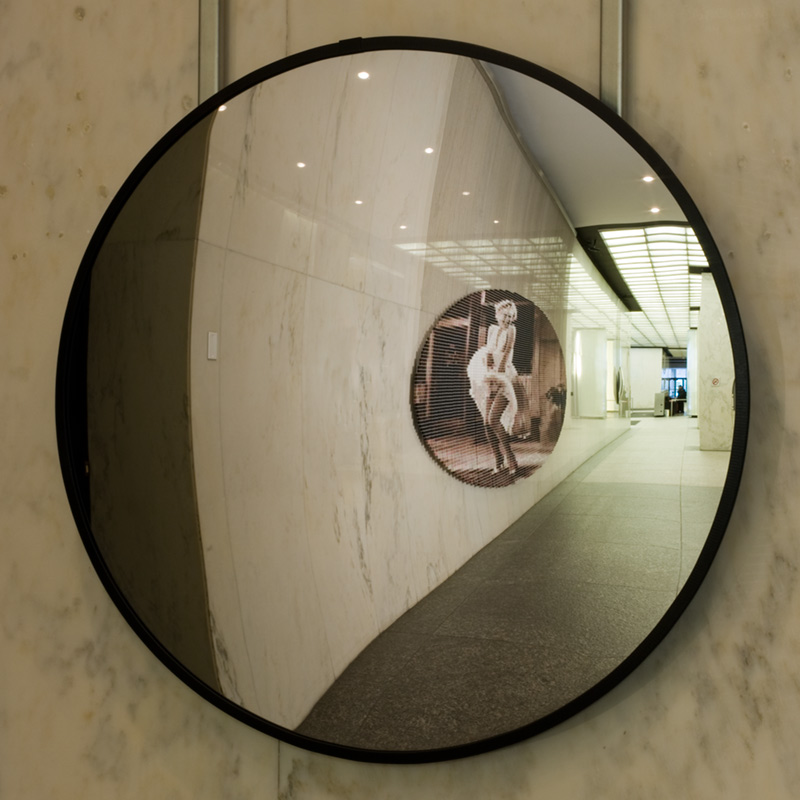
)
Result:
{"points": [[402, 399]]}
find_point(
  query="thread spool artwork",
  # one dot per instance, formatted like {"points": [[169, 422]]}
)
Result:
{"points": [[489, 389]]}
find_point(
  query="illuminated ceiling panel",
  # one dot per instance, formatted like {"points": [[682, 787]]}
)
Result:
{"points": [[544, 263], [655, 262], [590, 304], [478, 261]]}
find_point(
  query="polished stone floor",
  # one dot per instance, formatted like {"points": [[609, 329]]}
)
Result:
{"points": [[544, 611]]}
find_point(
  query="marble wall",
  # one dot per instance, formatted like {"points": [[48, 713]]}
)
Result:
{"points": [[591, 372], [86, 710], [646, 363], [715, 378], [307, 290], [143, 508], [315, 492], [691, 373]]}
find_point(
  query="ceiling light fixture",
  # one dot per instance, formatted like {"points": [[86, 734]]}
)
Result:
{"points": [[654, 262]]}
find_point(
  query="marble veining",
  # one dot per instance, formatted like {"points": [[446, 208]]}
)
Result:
{"points": [[86, 710], [715, 372], [317, 347]]}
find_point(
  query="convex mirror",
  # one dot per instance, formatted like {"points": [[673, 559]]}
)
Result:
{"points": [[402, 399]]}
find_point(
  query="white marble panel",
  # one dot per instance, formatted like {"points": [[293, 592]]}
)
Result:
{"points": [[591, 372], [222, 173], [691, 374], [257, 199], [337, 464], [218, 199], [349, 162], [268, 230], [646, 365], [261, 385], [715, 375], [288, 123], [234, 671], [385, 356], [404, 177]]}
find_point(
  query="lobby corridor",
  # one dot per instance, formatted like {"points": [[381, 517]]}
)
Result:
{"points": [[545, 610]]}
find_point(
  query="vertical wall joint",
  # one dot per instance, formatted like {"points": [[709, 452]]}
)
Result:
{"points": [[612, 53], [209, 49]]}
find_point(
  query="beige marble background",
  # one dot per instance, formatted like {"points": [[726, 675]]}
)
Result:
{"points": [[86, 711]]}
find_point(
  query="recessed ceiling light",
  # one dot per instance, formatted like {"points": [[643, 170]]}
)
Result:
{"points": [[655, 210], [648, 179], [301, 164], [363, 75], [466, 194], [359, 202], [222, 108], [428, 150], [497, 222], [403, 227]]}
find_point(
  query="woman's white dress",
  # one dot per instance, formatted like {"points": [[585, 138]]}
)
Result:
{"points": [[481, 377]]}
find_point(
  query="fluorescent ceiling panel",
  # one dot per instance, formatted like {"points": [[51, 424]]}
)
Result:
{"points": [[654, 261]]}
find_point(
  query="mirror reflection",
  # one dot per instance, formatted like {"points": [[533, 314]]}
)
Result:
{"points": [[489, 389], [258, 487]]}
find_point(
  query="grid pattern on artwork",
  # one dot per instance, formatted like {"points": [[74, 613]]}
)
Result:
{"points": [[488, 395]]}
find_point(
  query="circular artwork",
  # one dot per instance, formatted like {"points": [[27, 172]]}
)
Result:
{"points": [[489, 389]]}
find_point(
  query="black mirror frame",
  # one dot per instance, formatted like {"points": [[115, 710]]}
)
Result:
{"points": [[71, 426]]}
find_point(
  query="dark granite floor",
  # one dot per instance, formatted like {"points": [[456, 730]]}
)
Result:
{"points": [[537, 617]]}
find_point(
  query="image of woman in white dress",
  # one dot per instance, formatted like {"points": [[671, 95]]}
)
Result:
{"points": [[491, 373]]}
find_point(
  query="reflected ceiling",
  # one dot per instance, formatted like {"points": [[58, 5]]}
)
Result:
{"points": [[601, 182], [662, 266]]}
